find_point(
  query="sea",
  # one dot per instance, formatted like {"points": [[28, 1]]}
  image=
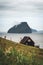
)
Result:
{"points": [[36, 37]]}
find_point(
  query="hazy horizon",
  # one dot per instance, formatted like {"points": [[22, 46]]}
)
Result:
{"points": [[13, 12]]}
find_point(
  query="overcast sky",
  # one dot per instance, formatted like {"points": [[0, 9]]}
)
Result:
{"points": [[15, 11]]}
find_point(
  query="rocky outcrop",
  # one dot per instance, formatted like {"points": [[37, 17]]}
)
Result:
{"points": [[23, 27], [33, 30]]}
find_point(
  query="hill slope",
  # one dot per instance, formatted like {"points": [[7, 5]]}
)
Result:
{"points": [[20, 54]]}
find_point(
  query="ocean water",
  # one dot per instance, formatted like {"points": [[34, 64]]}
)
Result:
{"points": [[36, 37]]}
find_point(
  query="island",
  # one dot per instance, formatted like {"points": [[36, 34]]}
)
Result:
{"points": [[23, 27]]}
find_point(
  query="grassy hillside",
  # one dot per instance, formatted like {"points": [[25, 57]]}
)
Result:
{"points": [[12, 53]]}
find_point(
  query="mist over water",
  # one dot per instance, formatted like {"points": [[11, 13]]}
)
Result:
{"points": [[36, 37]]}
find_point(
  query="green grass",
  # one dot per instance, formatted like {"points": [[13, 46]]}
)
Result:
{"points": [[12, 53]]}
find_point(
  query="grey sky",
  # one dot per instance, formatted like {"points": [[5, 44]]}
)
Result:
{"points": [[15, 11]]}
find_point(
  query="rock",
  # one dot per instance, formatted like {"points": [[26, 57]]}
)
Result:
{"points": [[33, 30], [20, 28]]}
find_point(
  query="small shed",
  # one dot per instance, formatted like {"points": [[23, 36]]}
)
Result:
{"points": [[27, 41]]}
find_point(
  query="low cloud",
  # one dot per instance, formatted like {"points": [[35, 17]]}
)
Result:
{"points": [[22, 6]]}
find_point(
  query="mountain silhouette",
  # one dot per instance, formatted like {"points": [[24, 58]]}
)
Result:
{"points": [[23, 27]]}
